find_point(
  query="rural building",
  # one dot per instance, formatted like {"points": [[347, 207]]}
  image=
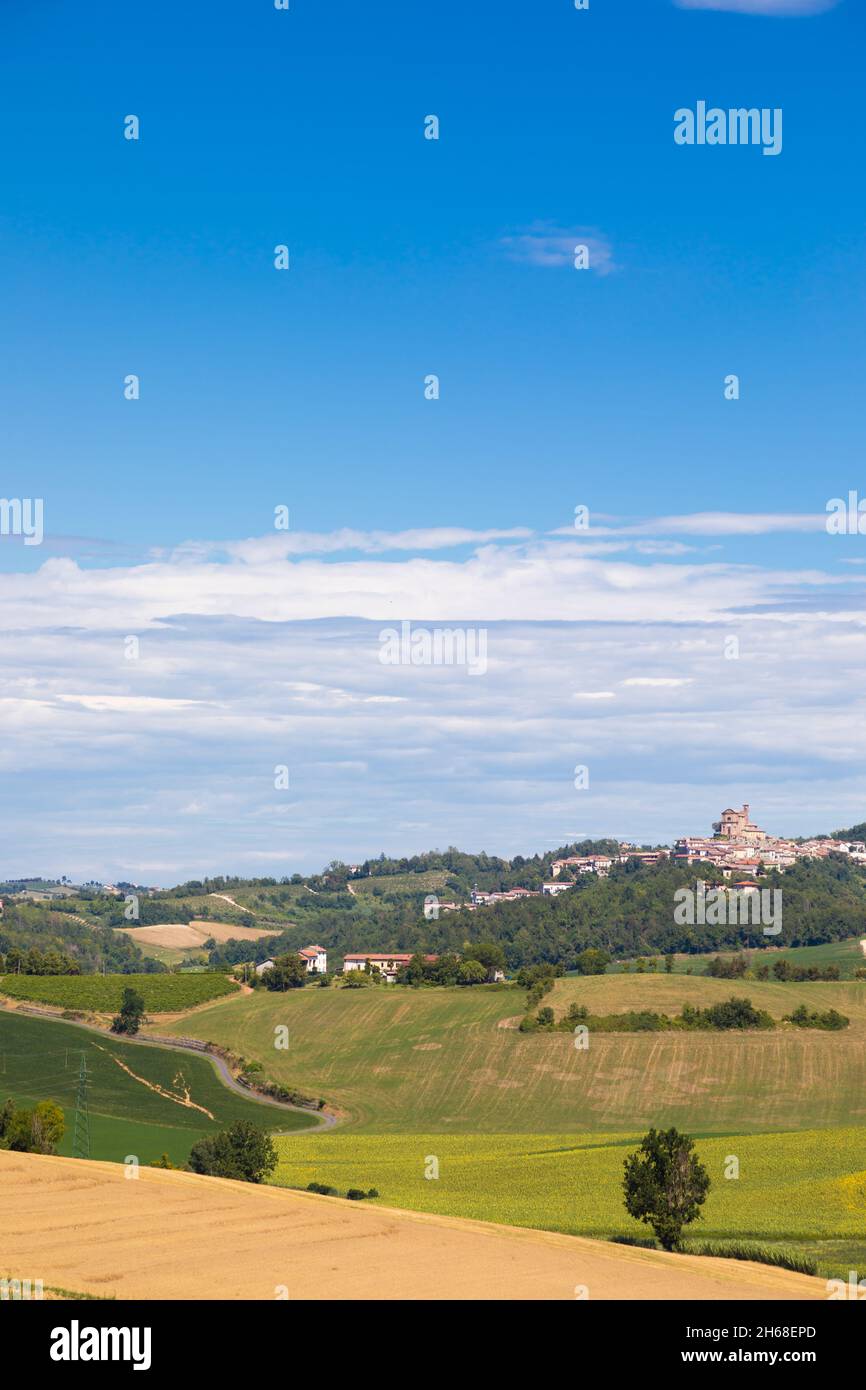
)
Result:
{"points": [[314, 957], [316, 960], [389, 964]]}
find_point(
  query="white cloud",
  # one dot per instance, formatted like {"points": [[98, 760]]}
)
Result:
{"points": [[774, 8], [707, 524], [244, 665], [546, 245], [282, 544], [538, 580], [660, 681]]}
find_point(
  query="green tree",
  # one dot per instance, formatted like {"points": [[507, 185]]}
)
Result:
{"points": [[489, 953], [7, 1111], [243, 1152], [592, 961], [47, 1127], [287, 972], [665, 1184], [131, 1015], [471, 972], [414, 972], [36, 1131]]}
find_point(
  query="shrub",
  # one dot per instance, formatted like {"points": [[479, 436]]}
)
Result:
{"points": [[831, 1020], [243, 1151], [733, 1013], [732, 969]]}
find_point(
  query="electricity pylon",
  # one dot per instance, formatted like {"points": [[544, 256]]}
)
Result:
{"points": [[81, 1132]]}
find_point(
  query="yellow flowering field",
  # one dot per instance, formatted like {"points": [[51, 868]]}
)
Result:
{"points": [[803, 1191]]}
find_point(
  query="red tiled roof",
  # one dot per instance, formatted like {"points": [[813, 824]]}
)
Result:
{"points": [[383, 955], [378, 955]]}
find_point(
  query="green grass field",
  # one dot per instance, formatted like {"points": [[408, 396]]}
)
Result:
{"points": [[847, 955], [438, 1061], [40, 1059], [804, 1192], [605, 994], [103, 993]]}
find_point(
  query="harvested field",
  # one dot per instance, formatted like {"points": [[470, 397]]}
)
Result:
{"points": [[186, 935], [177, 1235]]}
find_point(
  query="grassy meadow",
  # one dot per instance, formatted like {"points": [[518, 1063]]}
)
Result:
{"points": [[847, 955], [441, 1061], [40, 1060]]}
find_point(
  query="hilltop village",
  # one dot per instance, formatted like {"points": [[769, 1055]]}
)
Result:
{"points": [[737, 847]]}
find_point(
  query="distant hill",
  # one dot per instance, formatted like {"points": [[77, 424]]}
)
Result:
{"points": [[380, 905], [855, 832]]}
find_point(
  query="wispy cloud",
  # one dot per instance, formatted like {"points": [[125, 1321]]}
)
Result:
{"points": [[708, 524], [549, 246], [283, 544], [778, 8], [662, 682]]}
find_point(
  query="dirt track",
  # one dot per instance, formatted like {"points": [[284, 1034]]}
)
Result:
{"points": [[86, 1226]]}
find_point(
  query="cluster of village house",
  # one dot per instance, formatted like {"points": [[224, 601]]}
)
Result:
{"points": [[738, 847]]}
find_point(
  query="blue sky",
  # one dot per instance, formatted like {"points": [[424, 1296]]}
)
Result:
{"points": [[305, 388]]}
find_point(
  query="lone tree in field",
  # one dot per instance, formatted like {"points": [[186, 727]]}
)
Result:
{"points": [[243, 1151], [665, 1184], [131, 1015]]}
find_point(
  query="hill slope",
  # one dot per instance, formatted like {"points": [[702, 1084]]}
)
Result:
{"points": [[176, 1235], [40, 1059], [422, 1061]]}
